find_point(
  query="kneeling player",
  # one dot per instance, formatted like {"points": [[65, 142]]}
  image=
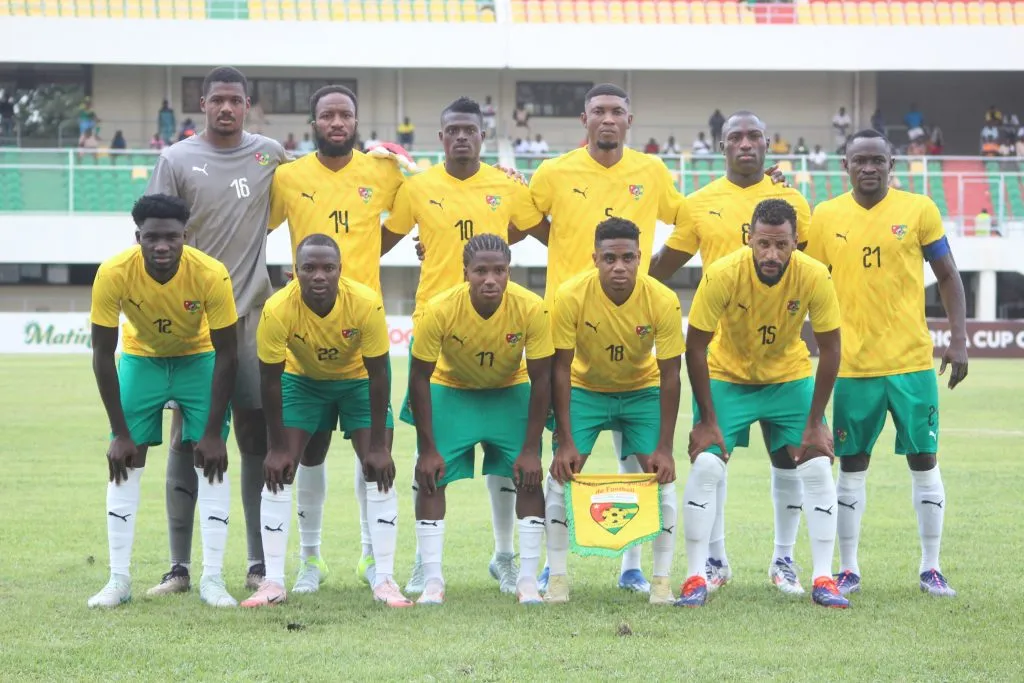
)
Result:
{"points": [[179, 345], [758, 369], [468, 385], [606, 322], [323, 348]]}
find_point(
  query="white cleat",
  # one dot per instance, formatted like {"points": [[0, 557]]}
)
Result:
{"points": [[416, 581], [312, 572], [388, 593], [527, 592], [503, 567], [117, 592], [783, 574], [717, 574], [433, 593], [214, 593]]}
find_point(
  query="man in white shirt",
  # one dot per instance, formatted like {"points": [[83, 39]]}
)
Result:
{"points": [[841, 123]]}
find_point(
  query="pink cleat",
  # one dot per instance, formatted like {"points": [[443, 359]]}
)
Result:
{"points": [[269, 593], [388, 593]]}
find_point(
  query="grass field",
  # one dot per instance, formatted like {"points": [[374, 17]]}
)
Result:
{"points": [[53, 556]]}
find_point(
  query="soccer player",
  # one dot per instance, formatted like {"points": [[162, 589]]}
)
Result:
{"points": [[323, 346], [468, 369], [606, 322], [339, 192], [451, 203], [224, 176], [757, 367], [179, 344], [717, 224], [876, 240]]}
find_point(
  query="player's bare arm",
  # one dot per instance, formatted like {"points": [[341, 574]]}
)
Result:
{"points": [[211, 452], [661, 462], [951, 291], [279, 465], [388, 240], [122, 453], [817, 438], [541, 231], [666, 262], [706, 432], [378, 464], [567, 461], [527, 469], [429, 465]]}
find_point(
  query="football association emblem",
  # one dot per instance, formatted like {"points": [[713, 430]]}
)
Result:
{"points": [[613, 511]]}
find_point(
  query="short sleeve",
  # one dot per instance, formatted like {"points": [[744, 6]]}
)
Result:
{"points": [[105, 310], [931, 228], [824, 304], [278, 203], [271, 337], [525, 214], [668, 329], [220, 301], [376, 341], [538, 333], [393, 180], [567, 311], [541, 191], [163, 180], [710, 300], [427, 336], [684, 237], [401, 219], [670, 200], [816, 238], [803, 218]]}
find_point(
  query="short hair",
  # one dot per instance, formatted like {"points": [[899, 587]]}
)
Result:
{"points": [[616, 228], [225, 74], [160, 206], [485, 242], [605, 89], [463, 105], [774, 212], [317, 239], [741, 114], [331, 90], [870, 134]]}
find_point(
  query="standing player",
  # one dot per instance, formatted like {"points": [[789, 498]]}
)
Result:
{"points": [[876, 239], [340, 192], [451, 203], [718, 224], [754, 302], [468, 368], [606, 322], [224, 176], [323, 346], [180, 345]]}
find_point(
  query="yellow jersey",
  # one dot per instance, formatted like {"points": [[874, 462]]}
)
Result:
{"points": [[328, 348], [449, 212], [474, 353], [719, 217], [758, 326], [169, 319], [578, 193], [613, 343], [347, 205], [877, 260]]}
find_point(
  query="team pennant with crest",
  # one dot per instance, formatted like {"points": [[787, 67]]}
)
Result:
{"points": [[610, 513]]}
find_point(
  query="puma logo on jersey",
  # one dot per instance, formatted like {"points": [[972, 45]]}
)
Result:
{"points": [[137, 305], [201, 170], [591, 325], [842, 236], [310, 197], [300, 338], [437, 203], [715, 213], [462, 342], [582, 193], [744, 307]]}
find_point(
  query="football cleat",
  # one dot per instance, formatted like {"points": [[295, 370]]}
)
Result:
{"points": [[416, 581], [934, 583], [388, 593], [782, 573], [661, 591], [175, 581], [558, 589], [254, 579], [213, 592], [847, 582], [311, 574], [117, 592], [527, 593], [503, 567], [718, 574], [269, 593], [826, 593], [634, 580], [366, 570], [433, 593], [693, 593]]}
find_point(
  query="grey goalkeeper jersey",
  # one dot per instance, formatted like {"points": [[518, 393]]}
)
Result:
{"points": [[228, 193]]}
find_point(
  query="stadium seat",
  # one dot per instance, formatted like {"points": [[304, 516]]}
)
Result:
{"points": [[882, 14], [730, 12], [549, 11], [896, 15], [631, 11], [1005, 10], [866, 13], [616, 12], [804, 14], [681, 12], [928, 14], [747, 15], [518, 13], [664, 12], [959, 13], [713, 11], [851, 13], [698, 14], [819, 12], [648, 15], [435, 10], [1018, 13], [974, 13], [598, 12], [944, 14], [469, 11], [533, 12], [913, 11], [835, 13]]}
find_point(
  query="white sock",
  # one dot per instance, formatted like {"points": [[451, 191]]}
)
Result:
{"points": [[631, 558], [852, 498], [275, 523], [415, 494], [382, 516], [531, 537], [214, 508], [503, 512], [699, 503], [364, 527], [787, 500], [716, 546], [310, 492], [430, 536], [821, 510], [930, 504], [665, 542], [557, 526], [122, 509]]}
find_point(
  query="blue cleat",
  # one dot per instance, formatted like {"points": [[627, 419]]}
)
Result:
{"points": [[542, 580], [693, 593], [934, 583], [847, 582], [827, 594], [633, 580]]}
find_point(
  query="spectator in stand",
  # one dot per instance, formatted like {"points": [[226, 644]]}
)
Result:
{"points": [[994, 116], [914, 121], [1020, 146], [670, 146], [1011, 124], [522, 146], [6, 117], [291, 143], [374, 141], [306, 146], [406, 133], [539, 145], [715, 123], [918, 147], [983, 224], [87, 118], [801, 147], [779, 145], [166, 122], [1005, 148], [188, 129], [878, 121], [989, 132], [700, 146], [651, 147], [818, 159], [156, 142], [841, 123], [88, 143], [490, 113], [936, 142], [989, 147], [521, 117], [118, 142]]}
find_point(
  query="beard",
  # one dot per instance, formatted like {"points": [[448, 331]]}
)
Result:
{"points": [[330, 149], [773, 279], [607, 146]]}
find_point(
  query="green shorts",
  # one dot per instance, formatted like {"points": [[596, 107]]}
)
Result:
{"points": [[405, 415], [637, 414], [781, 408], [148, 383], [317, 405], [496, 418], [860, 404]]}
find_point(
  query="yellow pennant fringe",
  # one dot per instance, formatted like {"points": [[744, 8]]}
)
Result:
{"points": [[610, 513]]}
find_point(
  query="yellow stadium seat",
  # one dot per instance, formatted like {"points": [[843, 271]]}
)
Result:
{"points": [[648, 14], [913, 14], [917, 166], [631, 10], [867, 13], [338, 11], [974, 13], [550, 11], [896, 14], [598, 12], [990, 13], [181, 10], [959, 13], [198, 8], [835, 13], [1005, 11], [354, 10], [616, 13], [698, 15], [786, 166], [289, 10], [100, 10], [570, 12], [453, 10], [882, 14], [424, 163], [163, 10], [116, 9], [371, 11], [943, 14], [851, 13], [470, 11], [518, 12], [804, 15], [819, 13], [435, 10], [730, 12], [306, 11], [1018, 13], [713, 11], [663, 12], [803, 177], [928, 14], [681, 12], [533, 12]]}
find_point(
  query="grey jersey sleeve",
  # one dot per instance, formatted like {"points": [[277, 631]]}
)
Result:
{"points": [[163, 179]]}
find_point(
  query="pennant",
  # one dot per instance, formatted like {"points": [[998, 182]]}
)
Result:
{"points": [[610, 513]]}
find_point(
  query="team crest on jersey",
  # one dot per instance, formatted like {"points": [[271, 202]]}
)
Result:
{"points": [[899, 231], [349, 333], [637, 191], [262, 159], [513, 338], [192, 306], [366, 194], [643, 330], [841, 433], [793, 307], [493, 201]]}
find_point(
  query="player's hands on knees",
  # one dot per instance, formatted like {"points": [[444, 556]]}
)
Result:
{"points": [[429, 470], [566, 463], [421, 251], [703, 436], [379, 466], [777, 176], [817, 439], [955, 354], [278, 469], [120, 458], [212, 453], [662, 464], [527, 470]]}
